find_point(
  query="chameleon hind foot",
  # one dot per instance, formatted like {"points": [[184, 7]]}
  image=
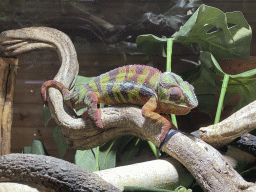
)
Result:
{"points": [[95, 116]]}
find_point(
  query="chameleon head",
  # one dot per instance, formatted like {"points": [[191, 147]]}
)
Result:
{"points": [[175, 95]]}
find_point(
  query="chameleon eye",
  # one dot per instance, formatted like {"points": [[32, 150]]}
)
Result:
{"points": [[175, 93]]}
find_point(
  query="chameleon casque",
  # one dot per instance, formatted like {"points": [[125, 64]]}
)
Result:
{"points": [[158, 93]]}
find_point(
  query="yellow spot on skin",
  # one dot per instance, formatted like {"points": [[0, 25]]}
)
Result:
{"points": [[103, 84], [105, 94], [115, 90], [141, 79], [81, 93], [104, 79], [154, 79], [93, 85], [121, 75], [132, 93], [132, 72]]}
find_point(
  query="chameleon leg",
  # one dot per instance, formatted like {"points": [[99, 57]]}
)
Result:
{"points": [[94, 113], [149, 114], [166, 116]]}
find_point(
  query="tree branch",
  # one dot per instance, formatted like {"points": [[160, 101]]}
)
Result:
{"points": [[50, 172], [236, 125]]}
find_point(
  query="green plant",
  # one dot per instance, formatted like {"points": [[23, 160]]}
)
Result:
{"points": [[214, 34]]}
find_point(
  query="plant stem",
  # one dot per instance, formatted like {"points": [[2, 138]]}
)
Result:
{"points": [[154, 149], [168, 69], [221, 99], [169, 54]]}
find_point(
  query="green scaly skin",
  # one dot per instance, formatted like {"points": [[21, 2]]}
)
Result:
{"points": [[158, 93]]}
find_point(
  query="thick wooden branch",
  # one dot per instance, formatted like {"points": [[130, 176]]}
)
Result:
{"points": [[160, 173], [205, 163], [236, 125], [165, 173], [48, 173]]}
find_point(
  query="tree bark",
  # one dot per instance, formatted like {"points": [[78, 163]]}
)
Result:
{"points": [[8, 72], [51, 173], [236, 125]]}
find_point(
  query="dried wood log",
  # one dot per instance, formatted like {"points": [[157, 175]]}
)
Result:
{"points": [[205, 163], [8, 71], [40, 170]]}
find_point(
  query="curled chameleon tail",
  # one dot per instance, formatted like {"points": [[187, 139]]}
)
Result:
{"points": [[55, 84], [89, 97]]}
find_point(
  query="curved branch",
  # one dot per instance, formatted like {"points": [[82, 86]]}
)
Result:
{"points": [[21, 40], [14, 42], [205, 163]]}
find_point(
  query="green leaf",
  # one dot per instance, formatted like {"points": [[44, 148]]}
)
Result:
{"points": [[241, 33], [81, 111], [247, 91], [124, 147], [205, 86], [107, 155], [26, 150], [208, 27], [204, 81], [153, 148], [131, 150], [151, 45], [81, 80], [37, 147], [95, 159], [86, 159], [60, 141], [47, 115], [246, 74], [209, 61]]}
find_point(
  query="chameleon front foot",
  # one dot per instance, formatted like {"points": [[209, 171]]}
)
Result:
{"points": [[165, 130]]}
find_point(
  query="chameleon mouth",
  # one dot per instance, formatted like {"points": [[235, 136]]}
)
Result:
{"points": [[183, 109], [183, 106], [176, 108]]}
